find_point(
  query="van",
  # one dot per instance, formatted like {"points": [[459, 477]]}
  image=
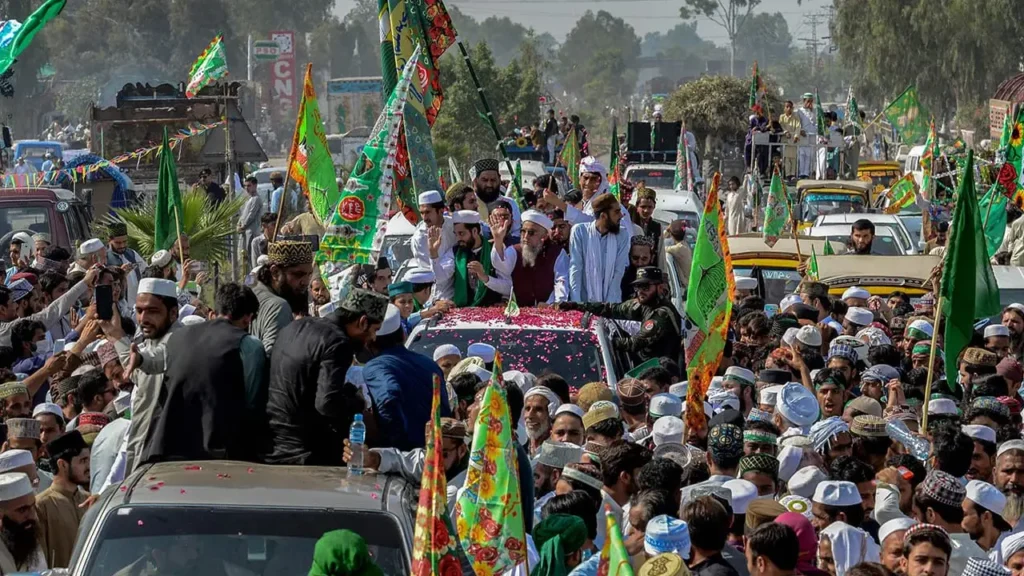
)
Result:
{"points": [[912, 164]]}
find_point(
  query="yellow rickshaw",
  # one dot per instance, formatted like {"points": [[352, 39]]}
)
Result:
{"points": [[880, 174], [879, 276], [774, 267], [819, 197]]}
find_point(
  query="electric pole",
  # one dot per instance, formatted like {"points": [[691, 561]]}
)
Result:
{"points": [[813, 42]]}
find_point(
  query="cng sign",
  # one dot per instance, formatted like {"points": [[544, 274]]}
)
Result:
{"points": [[265, 50], [283, 76]]}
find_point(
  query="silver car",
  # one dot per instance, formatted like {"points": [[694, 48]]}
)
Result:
{"points": [[239, 518]]}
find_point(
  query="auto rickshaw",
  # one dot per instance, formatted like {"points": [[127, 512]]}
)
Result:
{"points": [[774, 267], [879, 276], [817, 197], [881, 174]]}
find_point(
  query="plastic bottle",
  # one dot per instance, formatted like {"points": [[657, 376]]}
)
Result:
{"points": [[916, 445], [357, 440]]}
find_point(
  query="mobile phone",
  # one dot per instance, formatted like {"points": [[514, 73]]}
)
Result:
{"points": [[197, 266], [58, 346], [906, 473], [104, 298]]}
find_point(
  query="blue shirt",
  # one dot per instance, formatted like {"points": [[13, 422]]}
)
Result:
{"points": [[401, 387], [275, 199]]}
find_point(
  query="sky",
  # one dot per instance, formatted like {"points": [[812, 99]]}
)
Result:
{"points": [[559, 16]]}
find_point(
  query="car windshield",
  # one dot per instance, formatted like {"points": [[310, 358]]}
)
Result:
{"points": [[815, 205], [223, 542], [880, 246], [572, 354], [653, 177], [14, 218], [777, 283]]}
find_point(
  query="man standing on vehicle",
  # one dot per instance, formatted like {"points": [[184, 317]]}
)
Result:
{"points": [[646, 201], [123, 257], [282, 288], [538, 268], [808, 136], [550, 132], [249, 217], [432, 211], [464, 273], [599, 254], [660, 333], [214, 193], [487, 185], [862, 234]]}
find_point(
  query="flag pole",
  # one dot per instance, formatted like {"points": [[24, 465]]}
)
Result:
{"points": [[288, 166], [490, 116], [931, 365]]}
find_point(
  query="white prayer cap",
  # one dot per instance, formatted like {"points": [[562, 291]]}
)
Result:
{"points": [[836, 493], [743, 493], [789, 337], [47, 408], [354, 375], [858, 345], [539, 218], [895, 525], [789, 461], [789, 301], [1017, 306], [679, 389], [798, 504], [979, 432], [942, 406], [666, 430], [1011, 545], [26, 239], [160, 259], [159, 287], [665, 405], [392, 321], [797, 404], [557, 454], [923, 326], [482, 373], [554, 402], [769, 395], [430, 197], [1008, 446], [446, 350], [859, 316], [739, 373], [987, 496], [14, 485], [665, 534], [805, 480], [90, 246], [996, 330], [192, 320], [808, 335], [571, 409], [419, 276], [483, 351], [13, 459], [466, 217], [856, 292], [746, 283], [41, 237]]}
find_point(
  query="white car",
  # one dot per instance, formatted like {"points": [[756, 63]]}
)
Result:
{"points": [[889, 221], [659, 177], [885, 243], [683, 205]]}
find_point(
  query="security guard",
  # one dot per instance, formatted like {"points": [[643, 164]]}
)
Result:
{"points": [[660, 324]]}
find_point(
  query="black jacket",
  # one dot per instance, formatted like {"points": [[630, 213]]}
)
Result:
{"points": [[309, 408]]}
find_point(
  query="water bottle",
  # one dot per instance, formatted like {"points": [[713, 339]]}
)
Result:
{"points": [[919, 447], [357, 439]]}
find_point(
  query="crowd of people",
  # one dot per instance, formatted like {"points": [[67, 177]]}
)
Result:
{"points": [[819, 451]]}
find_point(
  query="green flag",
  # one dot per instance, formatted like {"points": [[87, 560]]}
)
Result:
{"points": [[569, 158], [776, 210], [512, 308], [852, 110], [168, 199], [613, 166], [968, 291], [812, 266], [908, 116], [312, 168], [827, 250], [901, 194], [614, 559], [992, 207], [517, 185], [212, 65], [1004, 137], [928, 157], [820, 116], [32, 25]]}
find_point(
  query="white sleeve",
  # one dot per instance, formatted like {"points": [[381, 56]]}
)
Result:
{"points": [[443, 266], [561, 291], [500, 282], [504, 262], [116, 474], [574, 215]]}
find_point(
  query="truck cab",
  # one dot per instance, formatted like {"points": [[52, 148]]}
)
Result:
{"points": [[33, 151], [53, 211]]}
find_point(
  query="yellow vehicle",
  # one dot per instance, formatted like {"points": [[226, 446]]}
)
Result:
{"points": [[879, 276], [881, 174], [819, 197], [774, 267]]}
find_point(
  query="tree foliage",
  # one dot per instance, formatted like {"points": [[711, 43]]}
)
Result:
{"points": [[715, 108], [765, 37], [600, 52], [731, 15]]}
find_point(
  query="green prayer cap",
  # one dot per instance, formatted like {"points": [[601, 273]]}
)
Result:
{"points": [[555, 537], [342, 553]]}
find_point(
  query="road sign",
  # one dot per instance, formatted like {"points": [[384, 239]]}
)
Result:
{"points": [[265, 50]]}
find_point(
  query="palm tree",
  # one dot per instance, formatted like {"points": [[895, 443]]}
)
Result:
{"points": [[207, 227]]}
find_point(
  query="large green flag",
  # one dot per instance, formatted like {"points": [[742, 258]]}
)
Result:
{"points": [[32, 25], [969, 289], [820, 117], [355, 230], [168, 199], [908, 116], [901, 194], [614, 559], [516, 186], [852, 110], [776, 210], [992, 207], [312, 168], [489, 508], [570, 157], [812, 265], [708, 305], [212, 65]]}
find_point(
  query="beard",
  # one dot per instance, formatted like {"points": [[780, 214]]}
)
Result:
{"points": [[530, 255], [1014, 505], [537, 431], [487, 194], [614, 227], [21, 539], [297, 300]]}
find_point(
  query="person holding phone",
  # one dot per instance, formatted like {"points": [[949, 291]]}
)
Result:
{"points": [[121, 256]]}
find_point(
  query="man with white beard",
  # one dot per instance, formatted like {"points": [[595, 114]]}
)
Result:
{"points": [[540, 404], [1008, 477], [538, 267]]}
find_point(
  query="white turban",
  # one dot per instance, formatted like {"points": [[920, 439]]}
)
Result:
{"points": [[553, 401], [592, 164]]}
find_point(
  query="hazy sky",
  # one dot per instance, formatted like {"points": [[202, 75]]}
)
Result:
{"points": [[559, 16]]}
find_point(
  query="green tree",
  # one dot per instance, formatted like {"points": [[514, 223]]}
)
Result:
{"points": [[765, 37], [729, 14], [599, 35]]}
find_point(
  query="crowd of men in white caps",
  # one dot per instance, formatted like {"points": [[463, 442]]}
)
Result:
{"points": [[812, 459]]}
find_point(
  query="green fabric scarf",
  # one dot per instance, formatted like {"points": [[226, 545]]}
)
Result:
{"points": [[556, 537], [462, 275]]}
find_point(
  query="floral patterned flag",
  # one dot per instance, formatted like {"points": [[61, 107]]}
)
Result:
{"points": [[489, 509], [931, 153], [776, 210], [433, 543], [614, 557], [901, 194]]}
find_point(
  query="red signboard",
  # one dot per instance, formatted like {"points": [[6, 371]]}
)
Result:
{"points": [[285, 88]]}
